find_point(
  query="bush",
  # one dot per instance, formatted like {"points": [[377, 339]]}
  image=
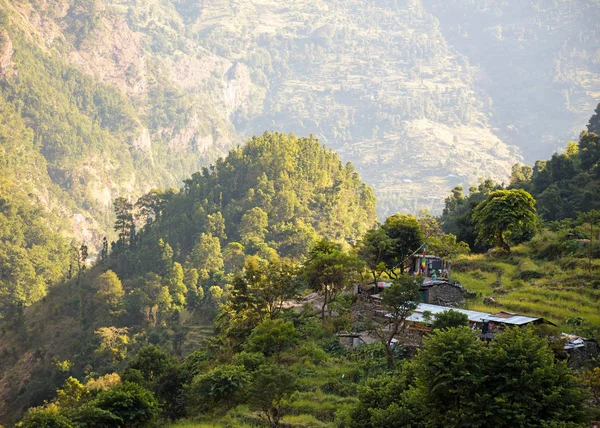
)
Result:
{"points": [[249, 360], [130, 402], [272, 337], [220, 386]]}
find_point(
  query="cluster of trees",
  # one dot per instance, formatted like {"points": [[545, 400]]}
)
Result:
{"points": [[568, 183], [458, 380], [33, 255], [562, 191], [270, 200], [490, 216]]}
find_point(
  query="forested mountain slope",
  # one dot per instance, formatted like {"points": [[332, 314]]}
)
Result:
{"points": [[270, 200], [121, 96]]}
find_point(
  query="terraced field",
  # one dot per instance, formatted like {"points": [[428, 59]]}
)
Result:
{"points": [[534, 287]]}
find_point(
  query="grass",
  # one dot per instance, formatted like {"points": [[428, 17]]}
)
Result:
{"points": [[555, 290]]}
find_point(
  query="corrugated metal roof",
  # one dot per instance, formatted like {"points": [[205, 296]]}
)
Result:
{"points": [[474, 316]]}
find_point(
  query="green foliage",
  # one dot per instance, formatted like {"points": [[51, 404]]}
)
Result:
{"points": [[405, 237], [271, 337], [457, 381], [89, 416], [269, 387], [328, 270], [457, 217], [45, 418], [152, 362], [567, 183], [505, 217], [220, 386], [109, 292], [33, 255], [449, 319], [133, 404], [399, 300]]}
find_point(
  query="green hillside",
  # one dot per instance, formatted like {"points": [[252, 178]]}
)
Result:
{"points": [[164, 281], [556, 274]]}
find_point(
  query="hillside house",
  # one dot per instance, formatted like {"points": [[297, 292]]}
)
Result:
{"points": [[487, 324], [433, 291], [434, 267]]}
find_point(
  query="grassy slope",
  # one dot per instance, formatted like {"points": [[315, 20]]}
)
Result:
{"points": [[558, 294]]}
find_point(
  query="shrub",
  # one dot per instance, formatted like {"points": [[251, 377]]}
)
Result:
{"points": [[221, 385], [272, 337], [130, 402]]}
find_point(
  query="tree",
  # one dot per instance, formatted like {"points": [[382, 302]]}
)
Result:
{"points": [[451, 374], [398, 300], [271, 282], [109, 292], [124, 221], [373, 249], [271, 337], [594, 123], [520, 175], [329, 270], [527, 384], [505, 217], [177, 288], [45, 417], [253, 225], [233, 257], [216, 225], [152, 362], [113, 342], [194, 289], [130, 402], [269, 387], [457, 217], [90, 416], [406, 237], [220, 386], [150, 206], [590, 217], [206, 253], [446, 246], [449, 319], [457, 380], [72, 394]]}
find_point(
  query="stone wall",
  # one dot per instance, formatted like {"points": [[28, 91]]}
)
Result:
{"points": [[445, 295]]}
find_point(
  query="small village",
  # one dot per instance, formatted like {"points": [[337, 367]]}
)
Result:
{"points": [[439, 294]]}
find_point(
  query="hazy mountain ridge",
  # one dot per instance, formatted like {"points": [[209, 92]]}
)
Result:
{"points": [[539, 64], [381, 83]]}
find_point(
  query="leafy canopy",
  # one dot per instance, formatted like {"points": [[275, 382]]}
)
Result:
{"points": [[505, 217]]}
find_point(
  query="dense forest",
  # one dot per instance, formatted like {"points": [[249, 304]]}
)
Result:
{"points": [[221, 305]]}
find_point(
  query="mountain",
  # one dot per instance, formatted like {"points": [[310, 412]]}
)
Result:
{"points": [[272, 199], [120, 96]]}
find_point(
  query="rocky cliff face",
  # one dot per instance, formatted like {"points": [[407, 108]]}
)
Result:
{"points": [[6, 53]]}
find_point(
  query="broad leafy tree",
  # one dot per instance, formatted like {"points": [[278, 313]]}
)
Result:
{"points": [[399, 301], [271, 337], [270, 385], [374, 249], [130, 402], [506, 217], [449, 319], [405, 237], [329, 270]]}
